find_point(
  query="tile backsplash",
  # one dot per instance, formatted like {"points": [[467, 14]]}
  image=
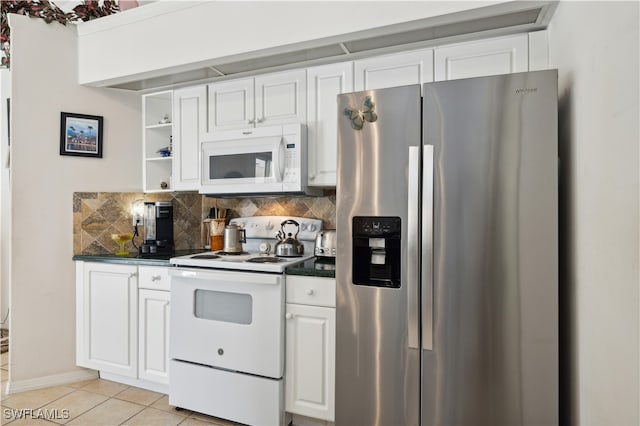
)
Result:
{"points": [[97, 215]]}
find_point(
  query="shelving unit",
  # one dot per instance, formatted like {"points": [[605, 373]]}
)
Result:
{"points": [[157, 135]]}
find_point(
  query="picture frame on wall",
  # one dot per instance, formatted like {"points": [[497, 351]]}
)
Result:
{"points": [[81, 135]]}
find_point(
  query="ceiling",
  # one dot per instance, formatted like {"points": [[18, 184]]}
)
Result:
{"points": [[491, 21]]}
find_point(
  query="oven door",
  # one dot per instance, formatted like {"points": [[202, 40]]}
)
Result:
{"points": [[228, 319], [247, 162]]}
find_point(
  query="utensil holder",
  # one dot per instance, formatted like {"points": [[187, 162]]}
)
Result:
{"points": [[216, 234]]}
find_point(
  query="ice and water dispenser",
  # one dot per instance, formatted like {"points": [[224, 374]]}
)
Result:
{"points": [[376, 251]]}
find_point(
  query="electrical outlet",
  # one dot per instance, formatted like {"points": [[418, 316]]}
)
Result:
{"points": [[137, 209]]}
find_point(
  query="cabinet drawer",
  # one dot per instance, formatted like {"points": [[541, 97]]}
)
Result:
{"points": [[153, 277], [315, 291]]}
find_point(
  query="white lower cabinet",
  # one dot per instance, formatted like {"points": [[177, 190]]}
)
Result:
{"points": [[310, 347], [106, 317], [122, 322], [153, 342]]}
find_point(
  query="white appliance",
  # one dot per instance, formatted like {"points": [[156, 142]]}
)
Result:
{"points": [[263, 160], [227, 326]]}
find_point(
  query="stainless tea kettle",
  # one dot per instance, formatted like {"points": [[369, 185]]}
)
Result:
{"points": [[289, 246], [234, 236]]}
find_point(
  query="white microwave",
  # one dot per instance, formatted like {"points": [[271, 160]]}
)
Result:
{"points": [[257, 161]]}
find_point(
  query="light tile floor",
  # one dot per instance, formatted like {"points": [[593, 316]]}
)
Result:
{"points": [[94, 403]]}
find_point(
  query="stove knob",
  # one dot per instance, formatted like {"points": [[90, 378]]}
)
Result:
{"points": [[269, 226], [303, 226], [312, 228], [265, 247]]}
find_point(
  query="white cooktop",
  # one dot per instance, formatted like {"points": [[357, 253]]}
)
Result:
{"points": [[259, 230]]}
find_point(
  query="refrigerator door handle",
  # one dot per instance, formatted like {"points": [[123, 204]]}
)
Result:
{"points": [[413, 232], [427, 248]]}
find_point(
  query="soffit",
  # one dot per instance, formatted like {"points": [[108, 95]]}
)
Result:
{"points": [[490, 21]]}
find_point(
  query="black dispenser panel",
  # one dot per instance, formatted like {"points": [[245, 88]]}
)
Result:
{"points": [[376, 251]]}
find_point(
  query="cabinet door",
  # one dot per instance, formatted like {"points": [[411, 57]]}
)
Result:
{"points": [[190, 121], [281, 98], [310, 361], [154, 335], [394, 70], [231, 105], [324, 83], [502, 55], [106, 317]]}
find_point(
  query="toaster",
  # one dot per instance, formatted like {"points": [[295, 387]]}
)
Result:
{"points": [[326, 243]]}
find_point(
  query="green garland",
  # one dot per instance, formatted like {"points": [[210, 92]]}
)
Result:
{"points": [[44, 9]]}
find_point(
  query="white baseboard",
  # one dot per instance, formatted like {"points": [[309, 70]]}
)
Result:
{"points": [[299, 420], [14, 386]]}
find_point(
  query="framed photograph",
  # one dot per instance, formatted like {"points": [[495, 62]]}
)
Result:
{"points": [[80, 135]]}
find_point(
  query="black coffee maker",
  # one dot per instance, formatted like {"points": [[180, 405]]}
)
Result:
{"points": [[158, 228]]}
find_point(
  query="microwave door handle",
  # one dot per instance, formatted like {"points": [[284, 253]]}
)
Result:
{"points": [[278, 162]]}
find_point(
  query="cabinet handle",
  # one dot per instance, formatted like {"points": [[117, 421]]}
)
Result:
{"points": [[251, 121], [133, 274], [260, 120], [156, 278], [288, 315], [310, 291]]}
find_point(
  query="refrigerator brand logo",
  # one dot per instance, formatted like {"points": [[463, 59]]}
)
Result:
{"points": [[525, 90]]}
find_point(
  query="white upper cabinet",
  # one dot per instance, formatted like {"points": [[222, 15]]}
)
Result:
{"points": [[190, 121], [266, 100], [502, 55], [281, 98], [324, 83], [308, 96], [394, 70], [231, 104]]}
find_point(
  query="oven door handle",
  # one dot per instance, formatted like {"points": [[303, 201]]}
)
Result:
{"points": [[228, 276]]}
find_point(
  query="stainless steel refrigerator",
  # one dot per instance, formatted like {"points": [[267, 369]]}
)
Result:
{"points": [[447, 275]]}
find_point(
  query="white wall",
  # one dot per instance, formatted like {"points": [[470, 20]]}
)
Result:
{"points": [[44, 83], [594, 45], [5, 201]]}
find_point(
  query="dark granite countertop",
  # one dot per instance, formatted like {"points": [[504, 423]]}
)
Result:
{"points": [[132, 259], [314, 267]]}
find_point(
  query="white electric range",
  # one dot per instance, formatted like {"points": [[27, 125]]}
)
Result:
{"points": [[227, 326], [258, 252]]}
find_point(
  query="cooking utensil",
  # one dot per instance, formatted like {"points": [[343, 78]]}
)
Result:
{"points": [[288, 245]]}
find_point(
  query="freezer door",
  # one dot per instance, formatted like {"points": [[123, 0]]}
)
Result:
{"points": [[494, 354], [377, 341]]}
